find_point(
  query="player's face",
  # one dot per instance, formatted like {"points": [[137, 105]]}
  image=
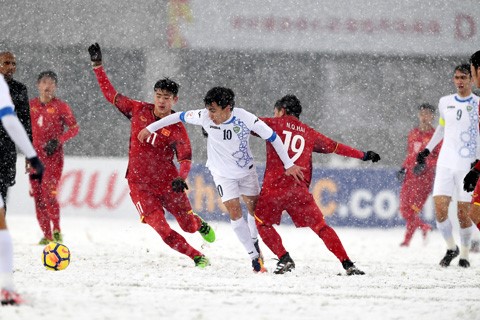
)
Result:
{"points": [[217, 114], [46, 88], [425, 117], [475, 75], [163, 101], [463, 82], [8, 65]]}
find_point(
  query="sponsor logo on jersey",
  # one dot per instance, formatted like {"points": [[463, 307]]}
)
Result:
{"points": [[51, 110], [236, 129], [165, 132], [450, 107], [214, 127]]}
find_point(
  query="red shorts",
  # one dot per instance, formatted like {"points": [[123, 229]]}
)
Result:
{"points": [[296, 200], [149, 199]]}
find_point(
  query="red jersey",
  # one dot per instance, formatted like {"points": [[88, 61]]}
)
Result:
{"points": [[49, 122], [301, 141], [417, 141], [149, 162]]}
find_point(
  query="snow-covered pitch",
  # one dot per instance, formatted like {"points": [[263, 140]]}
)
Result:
{"points": [[121, 269]]}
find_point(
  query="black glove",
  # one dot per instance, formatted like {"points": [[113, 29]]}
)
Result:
{"points": [[422, 155], [419, 168], [401, 174], [470, 180], [95, 54], [51, 146], [179, 185], [370, 155], [37, 165], [473, 163]]}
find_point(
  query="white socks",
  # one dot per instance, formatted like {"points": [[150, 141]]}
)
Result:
{"points": [[445, 229], [253, 227], [243, 234], [465, 240], [6, 260]]}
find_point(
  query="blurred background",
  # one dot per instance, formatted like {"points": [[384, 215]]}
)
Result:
{"points": [[360, 68]]}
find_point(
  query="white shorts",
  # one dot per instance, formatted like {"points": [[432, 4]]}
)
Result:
{"points": [[449, 182], [229, 189]]}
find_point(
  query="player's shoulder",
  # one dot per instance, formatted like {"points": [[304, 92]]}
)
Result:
{"points": [[448, 97]]}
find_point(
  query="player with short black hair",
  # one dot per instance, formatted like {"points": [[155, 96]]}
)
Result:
{"points": [[458, 127], [282, 193], [157, 183], [230, 160]]}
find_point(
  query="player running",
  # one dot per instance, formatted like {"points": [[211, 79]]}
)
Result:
{"points": [[157, 184], [281, 192], [17, 133], [230, 160]]}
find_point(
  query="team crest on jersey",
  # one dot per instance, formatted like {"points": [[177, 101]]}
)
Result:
{"points": [[189, 115], [236, 129], [142, 118], [469, 108], [165, 132]]}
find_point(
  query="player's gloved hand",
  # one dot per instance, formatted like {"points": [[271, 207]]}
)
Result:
{"points": [[401, 174], [419, 168], [370, 155], [179, 185], [51, 146], [95, 54], [473, 163], [38, 168], [422, 155], [470, 180]]}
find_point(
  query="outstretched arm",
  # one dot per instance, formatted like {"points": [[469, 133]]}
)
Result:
{"points": [[166, 121]]}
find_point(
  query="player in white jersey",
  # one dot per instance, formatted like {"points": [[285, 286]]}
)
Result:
{"points": [[18, 134], [458, 127], [230, 160]]}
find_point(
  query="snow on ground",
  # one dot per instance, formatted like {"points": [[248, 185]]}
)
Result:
{"points": [[121, 269]]}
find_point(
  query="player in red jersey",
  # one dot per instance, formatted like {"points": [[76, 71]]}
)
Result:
{"points": [[157, 184], [281, 192], [417, 182], [50, 116]]}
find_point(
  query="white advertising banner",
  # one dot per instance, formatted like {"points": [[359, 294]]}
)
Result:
{"points": [[364, 26]]}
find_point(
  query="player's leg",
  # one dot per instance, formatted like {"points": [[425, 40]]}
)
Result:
{"points": [[465, 223], [53, 207], [442, 195], [249, 188], [150, 209], [179, 206], [7, 288], [228, 189], [41, 209], [465, 233]]}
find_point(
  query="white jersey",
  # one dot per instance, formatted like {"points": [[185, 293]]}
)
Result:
{"points": [[228, 146], [459, 117], [10, 122], [6, 104]]}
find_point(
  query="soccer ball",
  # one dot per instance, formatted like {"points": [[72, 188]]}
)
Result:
{"points": [[55, 256]]}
